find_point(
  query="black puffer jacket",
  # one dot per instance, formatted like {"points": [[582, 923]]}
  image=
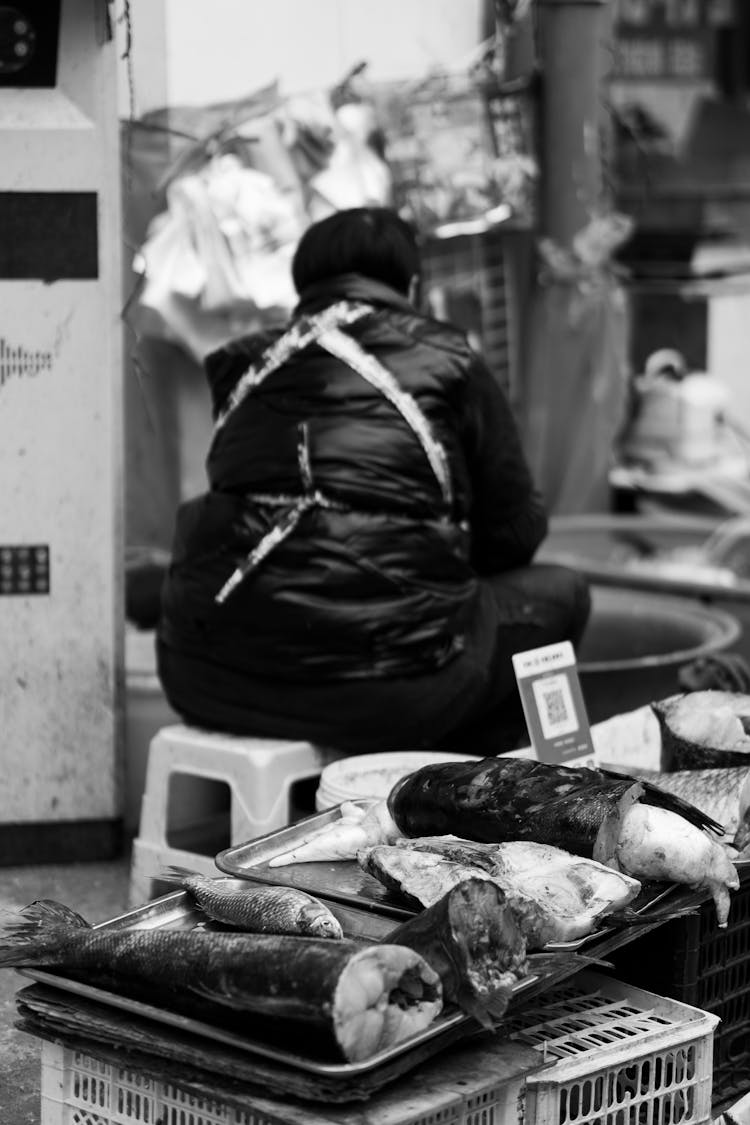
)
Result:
{"points": [[379, 577]]}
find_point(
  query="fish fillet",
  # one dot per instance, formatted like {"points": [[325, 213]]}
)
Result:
{"points": [[556, 904]]}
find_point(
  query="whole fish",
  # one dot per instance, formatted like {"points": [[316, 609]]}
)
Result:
{"points": [[626, 824], [473, 939], [349, 998], [255, 908]]}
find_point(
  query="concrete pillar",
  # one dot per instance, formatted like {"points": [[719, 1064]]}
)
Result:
{"points": [[61, 650], [573, 54]]}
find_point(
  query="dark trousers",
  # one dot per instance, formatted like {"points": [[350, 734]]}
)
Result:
{"points": [[538, 605], [470, 706]]}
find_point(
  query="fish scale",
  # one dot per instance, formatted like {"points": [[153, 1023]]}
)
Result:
{"points": [[714, 791]]}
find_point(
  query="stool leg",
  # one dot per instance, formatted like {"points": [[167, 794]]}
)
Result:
{"points": [[149, 861]]}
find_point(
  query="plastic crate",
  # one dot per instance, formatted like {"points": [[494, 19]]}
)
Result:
{"points": [[692, 960], [619, 1055], [625, 1056], [80, 1089]]}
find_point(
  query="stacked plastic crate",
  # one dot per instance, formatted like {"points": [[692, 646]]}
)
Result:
{"points": [[693, 961], [609, 1052]]}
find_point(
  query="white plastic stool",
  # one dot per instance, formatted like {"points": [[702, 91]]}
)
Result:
{"points": [[259, 772]]}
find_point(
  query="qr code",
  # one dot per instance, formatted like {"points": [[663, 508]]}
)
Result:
{"points": [[556, 706], [557, 712]]}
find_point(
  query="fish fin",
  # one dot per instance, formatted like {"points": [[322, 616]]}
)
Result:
{"points": [[628, 917], [175, 874], [569, 962], [35, 931], [491, 1009], [653, 795], [46, 911]]}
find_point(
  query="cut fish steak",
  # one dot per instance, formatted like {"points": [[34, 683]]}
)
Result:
{"points": [[473, 939], [557, 897], [584, 811]]}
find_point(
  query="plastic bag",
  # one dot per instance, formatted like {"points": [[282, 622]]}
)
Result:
{"points": [[354, 176], [575, 394], [223, 248]]}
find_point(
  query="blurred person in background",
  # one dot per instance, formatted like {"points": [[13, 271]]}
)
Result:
{"points": [[360, 570]]}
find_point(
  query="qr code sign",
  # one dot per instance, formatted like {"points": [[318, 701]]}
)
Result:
{"points": [[554, 701]]}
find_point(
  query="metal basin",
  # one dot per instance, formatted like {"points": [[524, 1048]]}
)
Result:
{"points": [[636, 642]]}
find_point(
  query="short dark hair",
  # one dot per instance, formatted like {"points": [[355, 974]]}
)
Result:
{"points": [[373, 241]]}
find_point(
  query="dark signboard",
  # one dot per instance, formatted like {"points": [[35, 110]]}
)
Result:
{"points": [[668, 40]]}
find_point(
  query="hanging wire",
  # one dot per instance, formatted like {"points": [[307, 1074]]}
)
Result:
{"points": [[126, 19]]}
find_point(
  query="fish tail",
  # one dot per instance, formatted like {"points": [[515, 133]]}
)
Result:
{"points": [[174, 874], [569, 963], [488, 1011], [36, 933], [628, 917], [48, 910]]}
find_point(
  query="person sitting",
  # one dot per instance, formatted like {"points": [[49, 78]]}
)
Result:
{"points": [[359, 572]]}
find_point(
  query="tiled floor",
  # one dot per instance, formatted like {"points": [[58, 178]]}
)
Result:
{"points": [[97, 891]]}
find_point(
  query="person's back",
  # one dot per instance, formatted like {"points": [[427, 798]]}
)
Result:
{"points": [[365, 471]]}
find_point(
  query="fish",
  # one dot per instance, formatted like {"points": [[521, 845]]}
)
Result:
{"points": [[574, 893], [714, 791], [583, 811], [358, 825], [255, 908], [350, 999], [419, 878], [741, 840], [496, 799], [704, 730], [658, 844], [556, 897], [473, 939]]}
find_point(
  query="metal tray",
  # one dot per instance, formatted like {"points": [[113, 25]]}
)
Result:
{"points": [[344, 881], [176, 911]]}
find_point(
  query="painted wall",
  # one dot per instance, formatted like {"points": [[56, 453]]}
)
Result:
{"points": [[60, 448]]}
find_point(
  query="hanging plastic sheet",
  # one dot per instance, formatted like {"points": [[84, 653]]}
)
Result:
{"points": [[461, 150], [574, 401], [167, 411]]}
